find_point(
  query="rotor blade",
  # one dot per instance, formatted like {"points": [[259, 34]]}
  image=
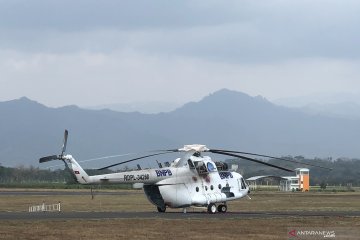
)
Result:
{"points": [[250, 159], [134, 159], [66, 133], [106, 157], [282, 159], [165, 150], [48, 158]]}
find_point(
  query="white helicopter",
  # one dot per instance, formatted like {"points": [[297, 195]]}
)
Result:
{"points": [[190, 181]]}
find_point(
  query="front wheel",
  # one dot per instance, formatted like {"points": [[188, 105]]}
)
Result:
{"points": [[161, 209], [212, 208]]}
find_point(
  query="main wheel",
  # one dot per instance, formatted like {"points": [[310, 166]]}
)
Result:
{"points": [[161, 209], [212, 208], [222, 208]]}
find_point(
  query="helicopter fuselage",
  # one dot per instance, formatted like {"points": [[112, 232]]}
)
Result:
{"points": [[197, 182]]}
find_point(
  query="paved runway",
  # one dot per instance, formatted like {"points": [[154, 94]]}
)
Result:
{"points": [[68, 193], [170, 215]]}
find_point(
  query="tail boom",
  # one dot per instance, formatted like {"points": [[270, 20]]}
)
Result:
{"points": [[139, 176]]}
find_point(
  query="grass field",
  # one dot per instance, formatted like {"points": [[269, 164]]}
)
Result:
{"points": [[276, 228], [135, 200]]}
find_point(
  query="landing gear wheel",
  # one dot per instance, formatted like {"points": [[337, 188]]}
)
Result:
{"points": [[222, 208], [212, 208], [161, 209]]}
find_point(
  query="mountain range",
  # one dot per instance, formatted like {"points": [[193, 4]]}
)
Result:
{"points": [[224, 119]]}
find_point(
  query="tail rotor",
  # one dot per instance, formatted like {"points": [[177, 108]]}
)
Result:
{"points": [[57, 157]]}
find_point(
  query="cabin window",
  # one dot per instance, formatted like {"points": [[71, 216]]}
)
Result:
{"points": [[219, 186], [206, 188], [212, 187], [197, 189]]}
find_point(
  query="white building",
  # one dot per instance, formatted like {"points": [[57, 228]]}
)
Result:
{"points": [[300, 182]]}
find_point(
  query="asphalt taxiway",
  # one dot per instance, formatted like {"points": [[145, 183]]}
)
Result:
{"points": [[169, 215], [66, 193]]}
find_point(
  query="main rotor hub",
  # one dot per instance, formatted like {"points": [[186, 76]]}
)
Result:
{"points": [[194, 147]]}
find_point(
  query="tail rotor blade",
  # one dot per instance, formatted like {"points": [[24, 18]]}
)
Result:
{"points": [[56, 157], [48, 158], [66, 133]]}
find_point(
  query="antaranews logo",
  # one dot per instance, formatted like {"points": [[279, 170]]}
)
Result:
{"points": [[292, 233], [310, 234]]}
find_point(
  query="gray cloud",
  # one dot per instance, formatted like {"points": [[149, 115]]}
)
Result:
{"points": [[235, 31], [122, 51], [81, 15]]}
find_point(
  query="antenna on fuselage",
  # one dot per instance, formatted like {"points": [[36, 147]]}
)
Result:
{"points": [[159, 164], [138, 166]]}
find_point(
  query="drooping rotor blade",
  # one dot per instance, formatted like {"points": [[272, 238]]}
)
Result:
{"points": [[134, 159], [250, 159], [261, 155], [48, 158], [66, 133], [106, 157]]}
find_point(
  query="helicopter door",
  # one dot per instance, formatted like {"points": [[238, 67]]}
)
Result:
{"points": [[204, 189]]}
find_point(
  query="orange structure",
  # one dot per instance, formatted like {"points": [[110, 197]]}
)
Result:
{"points": [[300, 182], [304, 179]]}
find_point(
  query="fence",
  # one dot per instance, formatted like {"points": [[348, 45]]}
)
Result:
{"points": [[46, 208]]}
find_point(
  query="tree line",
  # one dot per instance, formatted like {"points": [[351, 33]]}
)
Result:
{"points": [[344, 171], [35, 176]]}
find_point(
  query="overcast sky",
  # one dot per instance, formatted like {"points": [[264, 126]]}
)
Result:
{"points": [[90, 52]]}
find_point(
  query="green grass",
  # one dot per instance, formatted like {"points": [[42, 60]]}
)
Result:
{"points": [[135, 200]]}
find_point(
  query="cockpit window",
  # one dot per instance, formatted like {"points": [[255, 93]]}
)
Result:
{"points": [[210, 167], [191, 164], [243, 184]]}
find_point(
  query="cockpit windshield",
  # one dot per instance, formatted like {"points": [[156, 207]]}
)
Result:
{"points": [[210, 167]]}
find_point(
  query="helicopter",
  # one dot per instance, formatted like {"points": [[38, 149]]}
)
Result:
{"points": [[192, 180]]}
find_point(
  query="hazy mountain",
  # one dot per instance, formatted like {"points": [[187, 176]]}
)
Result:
{"points": [[224, 119], [30, 130], [343, 110], [319, 98], [142, 107], [344, 105]]}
